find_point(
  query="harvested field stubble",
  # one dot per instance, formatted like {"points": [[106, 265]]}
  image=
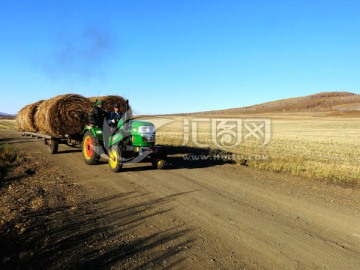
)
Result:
{"points": [[316, 148], [8, 124]]}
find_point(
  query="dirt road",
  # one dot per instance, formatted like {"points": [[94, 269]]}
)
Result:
{"points": [[204, 215]]}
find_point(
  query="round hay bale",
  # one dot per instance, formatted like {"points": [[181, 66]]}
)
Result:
{"points": [[20, 118], [28, 117], [110, 101], [63, 114]]}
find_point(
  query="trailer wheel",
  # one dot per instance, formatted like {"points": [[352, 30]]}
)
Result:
{"points": [[115, 163], [158, 163], [89, 145], [52, 145]]}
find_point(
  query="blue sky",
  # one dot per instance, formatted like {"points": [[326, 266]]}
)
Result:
{"points": [[170, 56]]}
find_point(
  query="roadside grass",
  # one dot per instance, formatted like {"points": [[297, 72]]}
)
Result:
{"points": [[8, 155], [318, 148], [7, 124]]}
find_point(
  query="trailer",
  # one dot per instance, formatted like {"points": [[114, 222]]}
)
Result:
{"points": [[129, 143], [52, 142]]}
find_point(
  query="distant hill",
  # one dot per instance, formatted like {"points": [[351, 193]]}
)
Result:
{"points": [[6, 115], [321, 102]]}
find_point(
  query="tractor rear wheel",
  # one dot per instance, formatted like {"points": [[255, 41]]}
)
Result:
{"points": [[89, 145], [115, 163]]}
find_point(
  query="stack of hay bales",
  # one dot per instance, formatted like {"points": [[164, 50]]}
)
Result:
{"points": [[26, 117], [63, 114], [110, 101]]}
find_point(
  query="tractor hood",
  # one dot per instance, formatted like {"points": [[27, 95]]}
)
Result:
{"points": [[140, 126], [143, 133]]}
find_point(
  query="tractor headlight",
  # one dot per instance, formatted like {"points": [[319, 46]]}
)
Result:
{"points": [[98, 132], [147, 129]]}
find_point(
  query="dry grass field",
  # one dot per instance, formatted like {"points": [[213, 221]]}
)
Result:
{"points": [[6, 123], [304, 144]]}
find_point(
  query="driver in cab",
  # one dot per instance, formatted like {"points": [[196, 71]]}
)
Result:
{"points": [[114, 116]]}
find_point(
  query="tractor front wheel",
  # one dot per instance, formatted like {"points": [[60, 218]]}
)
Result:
{"points": [[115, 163], [89, 145]]}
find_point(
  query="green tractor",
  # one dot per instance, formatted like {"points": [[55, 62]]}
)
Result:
{"points": [[131, 141]]}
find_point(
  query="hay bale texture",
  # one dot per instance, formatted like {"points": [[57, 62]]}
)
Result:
{"points": [[26, 117], [64, 114], [20, 119], [110, 101]]}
